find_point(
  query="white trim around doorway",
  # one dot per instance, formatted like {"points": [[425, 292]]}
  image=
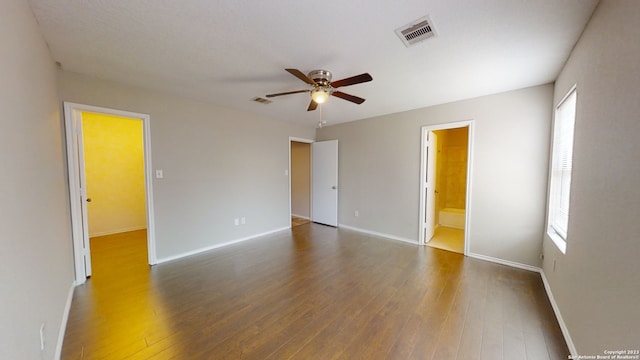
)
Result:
{"points": [[301, 140], [467, 222], [71, 111]]}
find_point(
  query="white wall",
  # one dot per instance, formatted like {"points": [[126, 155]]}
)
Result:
{"points": [[36, 267], [219, 164], [379, 164], [597, 283]]}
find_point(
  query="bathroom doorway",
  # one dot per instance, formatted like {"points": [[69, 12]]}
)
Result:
{"points": [[446, 164]]}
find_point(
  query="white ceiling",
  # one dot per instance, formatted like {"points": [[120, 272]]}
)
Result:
{"points": [[228, 52]]}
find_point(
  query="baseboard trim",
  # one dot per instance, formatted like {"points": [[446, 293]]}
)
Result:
{"points": [[301, 216], [208, 248], [547, 288], [388, 236], [556, 310], [63, 323], [104, 233], [504, 262]]}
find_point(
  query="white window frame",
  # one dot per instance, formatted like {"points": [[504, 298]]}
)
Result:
{"points": [[561, 169]]}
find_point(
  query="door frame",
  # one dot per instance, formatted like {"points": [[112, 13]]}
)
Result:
{"points": [[73, 114], [423, 132], [306, 141]]}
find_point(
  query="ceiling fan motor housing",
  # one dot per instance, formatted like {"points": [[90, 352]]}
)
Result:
{"points": [[321, 77]]}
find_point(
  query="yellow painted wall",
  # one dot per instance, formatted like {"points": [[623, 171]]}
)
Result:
{"points": [[114, 168], [452, 167]]}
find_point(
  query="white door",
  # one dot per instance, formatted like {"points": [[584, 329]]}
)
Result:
{"points": [[77, 184], [324, 169], [429, 184]]}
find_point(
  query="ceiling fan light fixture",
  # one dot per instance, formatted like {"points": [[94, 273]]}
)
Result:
{"points": [[319, 95], [322, 87]]}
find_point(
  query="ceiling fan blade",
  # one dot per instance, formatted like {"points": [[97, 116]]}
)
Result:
{"points": [[286, 93], [297, 73], [312, 106], [352, 80], [353, 99]]}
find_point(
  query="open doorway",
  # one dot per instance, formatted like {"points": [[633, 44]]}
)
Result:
{"points": [[446, 164], [109, 181], [116, 207], [313, 181], [300, 170]]}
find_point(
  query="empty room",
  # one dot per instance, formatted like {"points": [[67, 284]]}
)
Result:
{"points": [[332, 180]]}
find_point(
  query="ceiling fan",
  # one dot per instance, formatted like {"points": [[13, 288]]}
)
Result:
{"points": [[322, 85]]}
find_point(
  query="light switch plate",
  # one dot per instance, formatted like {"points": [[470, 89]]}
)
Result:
{"points": [[159, 174]]}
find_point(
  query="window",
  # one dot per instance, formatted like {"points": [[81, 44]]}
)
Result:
{"points": [[562, 155]]}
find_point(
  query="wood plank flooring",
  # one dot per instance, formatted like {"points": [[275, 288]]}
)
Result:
{"points": [[314, 292]]}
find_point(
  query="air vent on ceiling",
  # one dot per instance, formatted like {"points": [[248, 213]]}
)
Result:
{"points": [[416, 31], [262, 100]]}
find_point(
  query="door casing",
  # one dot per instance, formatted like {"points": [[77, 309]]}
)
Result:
{"points": [[77, 191], [423, 171], [306, 141]]}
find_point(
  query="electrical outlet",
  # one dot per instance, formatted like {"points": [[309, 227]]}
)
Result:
{"points": [[356, 213], [42, 333], [243, 220], [236, 222]]}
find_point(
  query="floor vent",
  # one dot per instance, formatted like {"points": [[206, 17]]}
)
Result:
{"points": [[416, 31], [262, 100]]}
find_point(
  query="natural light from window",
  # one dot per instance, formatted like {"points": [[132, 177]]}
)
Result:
{"points": [[561, 164]]}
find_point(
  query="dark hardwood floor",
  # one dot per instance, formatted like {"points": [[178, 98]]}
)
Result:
{"points": [[314, 292]]}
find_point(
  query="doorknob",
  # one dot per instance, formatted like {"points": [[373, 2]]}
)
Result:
{"points": [[334, 187], [88, 199]]}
